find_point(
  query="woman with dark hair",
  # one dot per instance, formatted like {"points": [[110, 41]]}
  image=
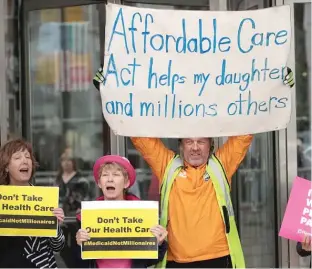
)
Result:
{"points": [[74, 188], [17, 167]]}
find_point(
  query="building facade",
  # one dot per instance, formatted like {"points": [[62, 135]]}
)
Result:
{"points": [[49, 51]]}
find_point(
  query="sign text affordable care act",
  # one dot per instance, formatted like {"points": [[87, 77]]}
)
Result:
{"points": [[216, 67]]}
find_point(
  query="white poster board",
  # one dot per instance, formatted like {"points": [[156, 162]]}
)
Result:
{"points": [[173, 73]]}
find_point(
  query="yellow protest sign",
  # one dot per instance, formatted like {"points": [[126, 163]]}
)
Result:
{"points": [[26, 211], [119, 229]]}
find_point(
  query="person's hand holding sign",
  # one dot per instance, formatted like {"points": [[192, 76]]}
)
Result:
{"points": [[289, 79], [160, 233], [82, 236], [59, 214], [306, 244]]}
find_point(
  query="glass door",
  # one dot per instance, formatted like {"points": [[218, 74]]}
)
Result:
{"points": [[299, 130], [254, 187], [62, 109]]}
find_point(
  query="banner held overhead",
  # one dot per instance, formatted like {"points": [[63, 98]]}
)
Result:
{"points": [[205, 73]]}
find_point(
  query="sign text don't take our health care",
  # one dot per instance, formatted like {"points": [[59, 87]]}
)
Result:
{"points": [[171, 73]]}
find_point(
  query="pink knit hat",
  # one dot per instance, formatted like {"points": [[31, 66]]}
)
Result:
{"points": [[122, 161]]}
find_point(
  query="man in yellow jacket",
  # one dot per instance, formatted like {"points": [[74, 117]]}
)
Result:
{"points": [[196, 230], [195, 200]]}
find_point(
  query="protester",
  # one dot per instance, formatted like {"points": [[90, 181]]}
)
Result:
{"points": [[114, 175], [73, 188], [304, 248], [17, 167], [195, 196]]}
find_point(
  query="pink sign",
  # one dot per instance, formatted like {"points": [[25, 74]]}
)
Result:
{"points": [[298, 215]]}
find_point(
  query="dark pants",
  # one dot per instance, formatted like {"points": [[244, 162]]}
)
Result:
{"points": [[71, 251], [223, 262]]}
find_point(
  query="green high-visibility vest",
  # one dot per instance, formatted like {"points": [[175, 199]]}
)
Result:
{"points": [[214, 172]]}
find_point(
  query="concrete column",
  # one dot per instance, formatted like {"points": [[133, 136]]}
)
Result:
{"points": [[3, 89]]}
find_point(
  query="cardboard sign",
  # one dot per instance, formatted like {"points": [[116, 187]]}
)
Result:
{"points": [[26, 211], [119, 229], [297, 220], [204, 74]]}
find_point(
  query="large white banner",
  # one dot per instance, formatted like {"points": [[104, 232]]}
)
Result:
{"points": [[173, 73]]}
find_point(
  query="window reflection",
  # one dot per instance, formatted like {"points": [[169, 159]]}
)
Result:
{"points": [[255, 203], [66, 122], [66, 109]]}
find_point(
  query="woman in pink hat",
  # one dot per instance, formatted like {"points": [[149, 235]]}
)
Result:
{"points": [[114, 175]]}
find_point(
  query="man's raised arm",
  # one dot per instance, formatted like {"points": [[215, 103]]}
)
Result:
{"points": [[232, 153], [154, 153]]}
